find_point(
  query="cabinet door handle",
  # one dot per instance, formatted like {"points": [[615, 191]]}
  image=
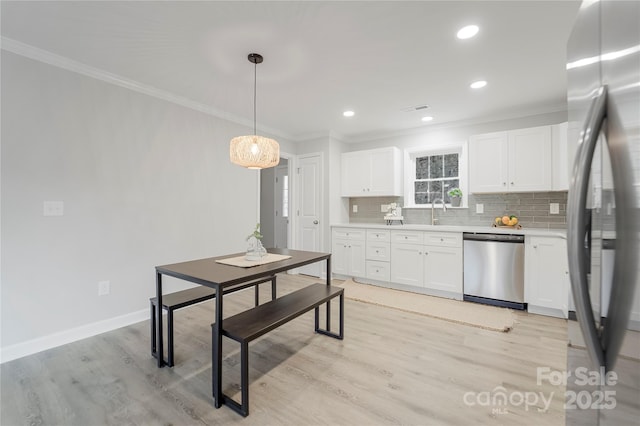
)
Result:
{"points": [[511, 183], [504, 183]]}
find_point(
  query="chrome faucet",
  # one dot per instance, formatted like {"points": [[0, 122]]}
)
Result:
{"points": [[434, 221]]}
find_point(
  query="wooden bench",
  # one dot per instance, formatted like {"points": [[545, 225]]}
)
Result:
{"points": [[253, 323], [191, 296]]}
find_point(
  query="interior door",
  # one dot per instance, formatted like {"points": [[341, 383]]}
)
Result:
{"points": [[309, 212], [281, 228]]}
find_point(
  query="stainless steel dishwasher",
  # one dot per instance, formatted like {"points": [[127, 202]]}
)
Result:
{"points": [[494, 269]]}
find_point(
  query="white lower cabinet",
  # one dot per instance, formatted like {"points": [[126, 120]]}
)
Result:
{"points": [[443, 268], [348, 252], [378, 255], [379, 271], [546, 276], [407, 264], [433, 261]]}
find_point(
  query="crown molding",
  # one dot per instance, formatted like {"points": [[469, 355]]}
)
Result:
{"points": [[518, 113], [44, 56]]}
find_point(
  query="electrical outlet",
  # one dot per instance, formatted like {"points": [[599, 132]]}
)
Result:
{"points": [[479, 208], [554, 208], [104, 288], [355, 208], [53, 208]]}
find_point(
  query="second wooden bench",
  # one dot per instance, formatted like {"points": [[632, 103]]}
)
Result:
{"points": [[191, 296]]}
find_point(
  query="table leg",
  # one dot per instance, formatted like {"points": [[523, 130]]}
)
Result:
{"points": [[158, 330], [329, 302], [216, 355]]}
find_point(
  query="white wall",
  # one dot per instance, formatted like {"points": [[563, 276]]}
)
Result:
{"points": [[144, 182]]}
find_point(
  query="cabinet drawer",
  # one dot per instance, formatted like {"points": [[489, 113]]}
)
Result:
{"points": [[378, 270], [378, 235], [443, 239], [350, 233], [378, 251], [416, 237]]}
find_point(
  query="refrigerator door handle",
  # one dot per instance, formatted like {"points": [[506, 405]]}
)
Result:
{"points": [[625, 269], [576, 224]]}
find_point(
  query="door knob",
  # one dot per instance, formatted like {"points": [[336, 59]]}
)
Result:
{"points": [[315, 222]]}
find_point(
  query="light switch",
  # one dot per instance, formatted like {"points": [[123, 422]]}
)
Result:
{"points": [[53, 208], [355, 208], [479, 208], [554, 208]]}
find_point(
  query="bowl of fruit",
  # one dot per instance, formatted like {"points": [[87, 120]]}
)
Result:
{"points": [[507, 220]]}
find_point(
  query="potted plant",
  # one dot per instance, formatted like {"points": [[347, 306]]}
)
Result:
{"points": [[456, 196]]}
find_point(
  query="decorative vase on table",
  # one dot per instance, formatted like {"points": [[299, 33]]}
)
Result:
{"points": [[255, 249]]}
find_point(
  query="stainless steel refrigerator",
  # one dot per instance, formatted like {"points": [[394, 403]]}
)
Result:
{"points": [[603, 215]]}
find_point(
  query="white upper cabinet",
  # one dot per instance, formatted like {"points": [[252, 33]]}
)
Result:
{"points": [[488, 161], [372, 173], [564, 141], [512, 161]]}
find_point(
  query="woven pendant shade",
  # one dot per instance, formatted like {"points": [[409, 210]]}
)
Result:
{"points": [[254, 152]]}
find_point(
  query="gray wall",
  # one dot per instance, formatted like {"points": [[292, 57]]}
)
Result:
{"points": [[144, 182], [531, 208]]}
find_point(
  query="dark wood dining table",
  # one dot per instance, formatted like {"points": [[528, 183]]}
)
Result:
{"points": [[208, 272]]}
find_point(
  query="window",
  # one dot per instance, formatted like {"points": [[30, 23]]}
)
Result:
{"points": [[430, 174], [435, 176]]}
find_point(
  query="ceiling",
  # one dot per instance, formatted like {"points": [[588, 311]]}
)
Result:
{"points": [[320, 57]]}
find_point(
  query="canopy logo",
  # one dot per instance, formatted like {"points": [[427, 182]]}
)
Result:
{"points": [[499, 399]]}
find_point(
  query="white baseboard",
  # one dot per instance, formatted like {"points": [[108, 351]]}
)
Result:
{"points": [[33, 346]]}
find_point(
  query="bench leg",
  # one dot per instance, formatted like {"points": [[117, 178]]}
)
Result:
{"points": [[170, 336], [327, 331], [257, 286], [244, 377], [154, 342], [153, 329], [273, 288], [242, 407]]}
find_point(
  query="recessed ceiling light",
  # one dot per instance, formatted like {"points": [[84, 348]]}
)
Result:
{"points": [[478, 84], [427, 118], [467, 32], [348, 113]]}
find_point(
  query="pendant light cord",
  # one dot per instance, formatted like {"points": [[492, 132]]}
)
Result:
{"points": [[255, 82]]}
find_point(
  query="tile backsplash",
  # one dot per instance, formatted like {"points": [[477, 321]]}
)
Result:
{"points": [[532, 209]]}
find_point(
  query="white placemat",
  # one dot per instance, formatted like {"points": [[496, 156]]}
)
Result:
{"points": [[244, 263]]}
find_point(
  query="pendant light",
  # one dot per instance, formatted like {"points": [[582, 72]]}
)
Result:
{"points": [[253, 151]]}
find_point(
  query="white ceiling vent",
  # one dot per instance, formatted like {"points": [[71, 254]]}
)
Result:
{"points": [[414, 108]]}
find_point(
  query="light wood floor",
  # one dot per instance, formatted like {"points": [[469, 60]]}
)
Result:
{"points": [[393, 367]]}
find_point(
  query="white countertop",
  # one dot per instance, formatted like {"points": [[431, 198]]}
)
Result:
{"points": [[458, 228]]}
